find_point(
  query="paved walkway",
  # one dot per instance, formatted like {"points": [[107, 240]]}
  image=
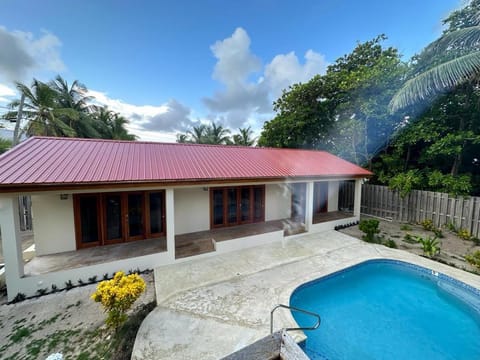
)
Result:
{"points": [[211, 307]]}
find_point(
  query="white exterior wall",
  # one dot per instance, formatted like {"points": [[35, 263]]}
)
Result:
{"points": [[192, 210], [278, 202], [53, 224], [333, 189]]}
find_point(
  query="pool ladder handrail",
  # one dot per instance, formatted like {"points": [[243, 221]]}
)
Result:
{"points": [[314, 327]]}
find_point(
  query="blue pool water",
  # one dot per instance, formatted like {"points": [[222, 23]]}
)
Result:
{"points": [[384, 309]]}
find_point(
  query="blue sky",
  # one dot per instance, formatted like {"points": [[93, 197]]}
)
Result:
{"points": [[167, 65]]}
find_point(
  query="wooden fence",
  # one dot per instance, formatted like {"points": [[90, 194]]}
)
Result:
{"points": [[441, 208]]}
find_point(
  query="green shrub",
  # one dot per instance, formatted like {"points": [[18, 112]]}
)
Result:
{"points": [[118, 295], [438, 233], [464, 234], [405, 227], [451, 226], [409, 239], [430, 246], [427, 224], [390, 243], [370, 228], [474, 259]]}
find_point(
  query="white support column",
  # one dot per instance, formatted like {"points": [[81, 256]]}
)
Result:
{"points": [[11, 243], [309, 206], [358, 198], [170, 214]]}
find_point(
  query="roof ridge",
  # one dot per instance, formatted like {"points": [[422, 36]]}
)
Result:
{"points": [[170, 143]]}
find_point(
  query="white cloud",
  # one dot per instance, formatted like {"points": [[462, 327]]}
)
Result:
{"points": [[27, 53], [285, 70], [5, 93], [156, 123], [235, 60], [124, 108], [250, 88]]}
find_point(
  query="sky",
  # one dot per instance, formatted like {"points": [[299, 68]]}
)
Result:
{"points": [[171, 65]]}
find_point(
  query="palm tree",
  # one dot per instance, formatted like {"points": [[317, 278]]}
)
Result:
{"points": [[451, 60], [43, 113], [197, 135], [111, 125], [5, 145], [217, 134], [244, 137], [182, 138], [74, 97]]}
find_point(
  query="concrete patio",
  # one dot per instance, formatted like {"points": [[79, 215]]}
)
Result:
{"points": [[211, 307]]}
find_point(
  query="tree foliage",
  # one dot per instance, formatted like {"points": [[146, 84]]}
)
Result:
{"points": [[59, 109], [216, 134], [344, 111], [450, 61], [304, 118]]}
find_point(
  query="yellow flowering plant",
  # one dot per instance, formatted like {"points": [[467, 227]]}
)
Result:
{"points": [[118, 295]]}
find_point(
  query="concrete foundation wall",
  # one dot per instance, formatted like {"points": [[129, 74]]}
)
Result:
{"points": [[53, 224], [333, 188], [248, 241], [278, 199], [192, 210], [29, 285], [330, 225]]}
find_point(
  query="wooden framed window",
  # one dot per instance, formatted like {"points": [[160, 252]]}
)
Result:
{"points": [[156, 213], [230, 206], [113, 218], [109, 218], [87, 212]]}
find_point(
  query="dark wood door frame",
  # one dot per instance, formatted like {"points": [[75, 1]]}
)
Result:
{"points": [[101, 218]]}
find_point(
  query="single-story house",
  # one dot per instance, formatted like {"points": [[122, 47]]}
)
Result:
{"points": [[100, 206]]}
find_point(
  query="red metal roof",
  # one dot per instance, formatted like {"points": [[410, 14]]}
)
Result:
{"points": [[57, 161]]}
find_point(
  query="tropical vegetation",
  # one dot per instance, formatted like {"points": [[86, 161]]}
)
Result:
{"points": [[57, 108], [216, 134], [117, 296], [415, 123]]}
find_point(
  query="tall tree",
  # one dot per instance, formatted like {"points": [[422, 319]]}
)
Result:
{"points": [[344, 111], [304, 117], [197, 134], [244, 137], [206, 134], [43, 113], [361, 84], [111, 125], [451, 60], [217, 134], [74, 97]]}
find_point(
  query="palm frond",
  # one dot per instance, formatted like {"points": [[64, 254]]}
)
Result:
{"points": [[440, 78], [466, 38]]}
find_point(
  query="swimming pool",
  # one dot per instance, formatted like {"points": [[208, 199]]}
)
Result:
{"points": [[388, 309]]}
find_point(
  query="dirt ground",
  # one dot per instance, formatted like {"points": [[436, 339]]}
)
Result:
{"points": [[453, 248], [68, 322]]}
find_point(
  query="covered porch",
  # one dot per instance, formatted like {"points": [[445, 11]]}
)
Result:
{"points": [[186, 245], [190, 218]]}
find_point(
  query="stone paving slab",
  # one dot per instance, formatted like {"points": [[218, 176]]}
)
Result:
{"points": [[211, 307]]}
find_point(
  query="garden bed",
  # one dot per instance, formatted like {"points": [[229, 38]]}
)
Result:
{"points": [[70, 323], [453, 249]]}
